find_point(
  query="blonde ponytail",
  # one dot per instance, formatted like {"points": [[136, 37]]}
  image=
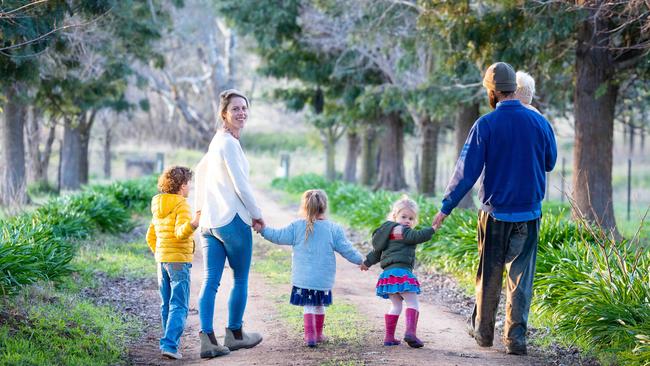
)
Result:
{"points": [[312, 205]]}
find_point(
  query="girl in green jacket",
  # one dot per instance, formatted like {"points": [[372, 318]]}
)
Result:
{"points": [[394, 248]]}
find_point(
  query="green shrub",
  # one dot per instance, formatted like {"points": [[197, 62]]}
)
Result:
{"points": [[37, 246], [273, 142]]}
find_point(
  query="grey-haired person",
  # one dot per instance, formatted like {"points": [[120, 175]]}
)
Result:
{"points": [[512, 147]]}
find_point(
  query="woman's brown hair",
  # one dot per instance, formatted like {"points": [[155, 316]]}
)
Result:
{"points": [[312, 205]]}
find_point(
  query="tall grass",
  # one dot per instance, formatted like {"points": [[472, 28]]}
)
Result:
{"points": [[590, 290], [39, 245]]}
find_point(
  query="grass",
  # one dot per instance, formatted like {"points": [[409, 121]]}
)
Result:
{"points": [[63, 329], [114, 257]]}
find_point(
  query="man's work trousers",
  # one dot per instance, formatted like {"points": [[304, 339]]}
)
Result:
{"points": [[512, 245]]}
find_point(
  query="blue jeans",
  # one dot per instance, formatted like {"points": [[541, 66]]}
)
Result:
{"points": [[174, 283], [235, 242]]}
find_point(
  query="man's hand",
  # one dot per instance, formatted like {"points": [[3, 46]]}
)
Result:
{"points": [[363, 267], [437, 221]]}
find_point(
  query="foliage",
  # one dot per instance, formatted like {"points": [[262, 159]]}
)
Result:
{"points": [[272, 142], [590, 290], [39, 246]]}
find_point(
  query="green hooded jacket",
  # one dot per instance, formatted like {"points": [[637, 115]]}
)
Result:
{"points": [[396, 253]]}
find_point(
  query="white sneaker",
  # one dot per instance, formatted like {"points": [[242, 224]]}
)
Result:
{"points": [[172, 355]]}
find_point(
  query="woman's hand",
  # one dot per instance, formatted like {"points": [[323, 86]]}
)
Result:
{"points": [[258, 224], [197, 217], [363, 267]]}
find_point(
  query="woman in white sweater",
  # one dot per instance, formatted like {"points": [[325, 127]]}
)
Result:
{"points": [[228, 210]]}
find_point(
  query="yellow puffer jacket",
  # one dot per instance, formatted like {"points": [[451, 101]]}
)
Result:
{"points": [[170, 232]]}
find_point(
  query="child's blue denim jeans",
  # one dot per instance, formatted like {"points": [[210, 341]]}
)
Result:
{"points": [[174, 283]]}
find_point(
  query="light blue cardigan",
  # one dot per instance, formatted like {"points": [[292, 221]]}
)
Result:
{"points": [[313, 263]]}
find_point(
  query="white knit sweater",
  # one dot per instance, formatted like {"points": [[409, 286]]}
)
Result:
{"points": [[222, 187]]}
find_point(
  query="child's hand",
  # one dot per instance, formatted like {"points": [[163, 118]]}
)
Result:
{"points": [[363, 267], [257, 227]]}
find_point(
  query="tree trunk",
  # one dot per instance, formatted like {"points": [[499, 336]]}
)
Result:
{"points": [[368, 155], [467, 115], [595, 99], [85, 125], [47, 152], [354, 147], [13, 189], [642, 133], [329, 141], [429, 152], [108, 137], [391, 165], [32, 145], [70, 172], [631, 138]]}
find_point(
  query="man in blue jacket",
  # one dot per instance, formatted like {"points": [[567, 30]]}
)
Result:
{"points": [[513, 147]]}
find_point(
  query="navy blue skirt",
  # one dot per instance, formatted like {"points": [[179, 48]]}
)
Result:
{"points": [[307, 297]]}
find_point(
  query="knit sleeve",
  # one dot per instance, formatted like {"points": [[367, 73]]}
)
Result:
{"points": [[468, 167], [411, 236], [550, 156], [283, 236], [200, 172], [234, 159], [343, 246]]}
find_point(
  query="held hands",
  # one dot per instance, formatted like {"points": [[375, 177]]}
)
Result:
{"points": [[195, 221], [258, 225], [437, 221], [363, 267]]}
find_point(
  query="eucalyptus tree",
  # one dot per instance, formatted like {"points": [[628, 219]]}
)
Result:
{"points": [[25, 30]]}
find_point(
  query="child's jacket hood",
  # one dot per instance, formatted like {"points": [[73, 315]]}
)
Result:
{"points": [[165, 203], [381, 235]]}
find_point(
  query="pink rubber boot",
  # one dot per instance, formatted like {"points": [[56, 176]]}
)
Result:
{"points": [[412, 316], [391, 324], [320, 321], [310, 330]]}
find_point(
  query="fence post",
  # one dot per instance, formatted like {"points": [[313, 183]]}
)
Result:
{"points": [[629, 186], [160, 162]]}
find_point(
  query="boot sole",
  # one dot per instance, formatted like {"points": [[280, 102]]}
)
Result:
{"points": [[413, 343], [213, 354], [234, 348]]}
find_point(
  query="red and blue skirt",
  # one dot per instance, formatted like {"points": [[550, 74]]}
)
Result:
{"points": [[397, 280]]}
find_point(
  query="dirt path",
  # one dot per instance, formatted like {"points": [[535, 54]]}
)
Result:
{"points": [[446, 342]]}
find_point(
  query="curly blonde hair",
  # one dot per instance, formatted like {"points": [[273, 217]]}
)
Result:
{"points": [[171, 180], [400, 204], [312, 204]]}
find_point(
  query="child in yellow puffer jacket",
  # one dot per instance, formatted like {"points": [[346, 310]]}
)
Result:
{"points": [[170, 239]]}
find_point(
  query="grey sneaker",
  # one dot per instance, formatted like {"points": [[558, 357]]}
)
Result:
{"points": [[236, 339], [210, 347], [173, 355]]}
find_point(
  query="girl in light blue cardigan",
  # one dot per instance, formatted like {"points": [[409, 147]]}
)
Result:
{"points": [[314, 240]]}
